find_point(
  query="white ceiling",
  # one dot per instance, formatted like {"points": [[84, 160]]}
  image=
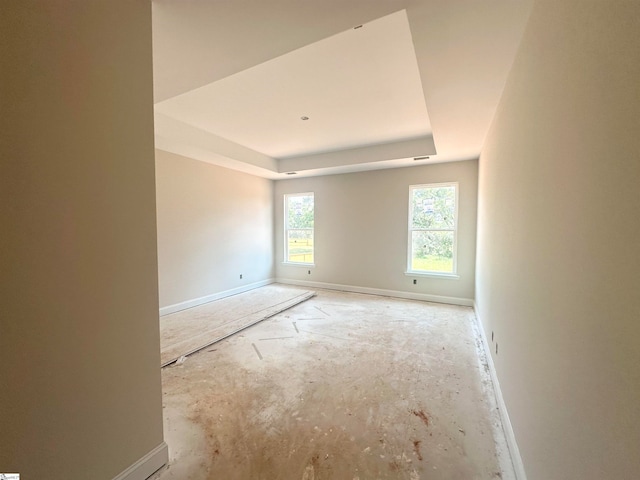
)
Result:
{"points": [[233, 79]]}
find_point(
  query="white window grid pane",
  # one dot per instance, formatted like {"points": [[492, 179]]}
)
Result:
{"points": [[299, 241], [423, 204]]}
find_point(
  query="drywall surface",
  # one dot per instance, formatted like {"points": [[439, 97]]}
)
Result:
{"points": [[214, 224], [79, 336], [558, 263], [361, 228]]}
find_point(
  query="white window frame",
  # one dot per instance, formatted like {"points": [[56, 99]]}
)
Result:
{"points": [[433, 273], [287, 196]]}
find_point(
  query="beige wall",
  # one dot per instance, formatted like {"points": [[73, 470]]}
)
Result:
{"points": [[361, 228], [213, 225], [559, 221], [79, 335]]}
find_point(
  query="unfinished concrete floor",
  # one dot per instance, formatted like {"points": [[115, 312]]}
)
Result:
{"points": [[342, 386]]}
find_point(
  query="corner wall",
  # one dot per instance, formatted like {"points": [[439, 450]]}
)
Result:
{"points": [[214, 224], [558, 264], [79, 337], [361, 229]]}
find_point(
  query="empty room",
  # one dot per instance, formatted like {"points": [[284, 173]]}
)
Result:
{"points": [[307, 240]]}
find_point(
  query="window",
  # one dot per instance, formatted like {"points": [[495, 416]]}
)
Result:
{"points": [[298, 228], [433, 223]]}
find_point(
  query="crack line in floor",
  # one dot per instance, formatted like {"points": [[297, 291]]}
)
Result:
{"points": [[257, 351]]}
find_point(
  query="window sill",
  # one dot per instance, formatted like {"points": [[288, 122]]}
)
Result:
{"points": [[296, 264], [448, 276]]}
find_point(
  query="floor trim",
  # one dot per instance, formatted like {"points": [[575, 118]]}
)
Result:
{"points": [[147, 465], [214, 296], [465, 302], [514, 451]]}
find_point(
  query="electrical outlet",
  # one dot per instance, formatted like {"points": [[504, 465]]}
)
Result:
{"points": [[415, 281], [492, 335], [309, 272], [240, 276]]}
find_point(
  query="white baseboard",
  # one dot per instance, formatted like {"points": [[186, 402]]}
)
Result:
{"points": [[147, 465], [465, 302], [176, 307], [514, 451]]}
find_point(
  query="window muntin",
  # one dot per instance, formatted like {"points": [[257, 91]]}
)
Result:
{"points": [[298, 228], [433, 222]]}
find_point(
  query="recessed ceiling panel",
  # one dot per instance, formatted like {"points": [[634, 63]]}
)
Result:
{"points": [[359, 87]]}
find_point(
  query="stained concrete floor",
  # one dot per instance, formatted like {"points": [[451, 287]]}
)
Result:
{"points": [[342, 386]]}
